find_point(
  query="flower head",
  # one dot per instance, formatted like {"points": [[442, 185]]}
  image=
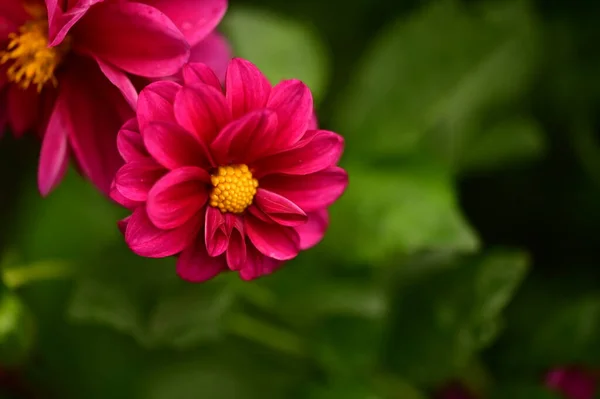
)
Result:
{"points": [[66, 69], [236, 180], [572, 382]]}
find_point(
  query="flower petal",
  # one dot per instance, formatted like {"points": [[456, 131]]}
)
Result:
{"points": [[313, 231], [279, 209], [177, 197], [272, 240], [196, 265], [23, 109], [120, 199], [134, 37], [311, 192], [293, 102], [236, 250], [135, 179], [61, 21], [321, 151], [246, 87], [195, 18], [201, 109], [54, 158], [122, 224], [258, 265], [130, 143], [173, 147], [156, 103], [246, 139], [216, 231], [198, 73], [120, 80], [96, 112], [215, 52], [147, 240]]}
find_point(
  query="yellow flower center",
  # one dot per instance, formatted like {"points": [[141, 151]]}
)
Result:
{"points": [[33, 62], [234, 188]]}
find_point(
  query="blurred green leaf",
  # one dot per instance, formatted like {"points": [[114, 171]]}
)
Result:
{"points": [[386, 213], [74, 222], [17, 330], [442, 319], [348, 345], [551, 329], [533, 391], [280, 47], [434, 73], [508, 142], [192, 314]]}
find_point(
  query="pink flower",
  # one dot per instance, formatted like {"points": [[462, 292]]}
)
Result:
{"points": [[239, 180], [65, 71], [572, 382]]}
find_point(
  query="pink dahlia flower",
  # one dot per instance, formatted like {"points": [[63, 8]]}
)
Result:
{"points": [[573, 383], [238, 179], [65, 70]]}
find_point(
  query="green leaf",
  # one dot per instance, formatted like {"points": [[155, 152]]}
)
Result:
{"points": [[443, 318], [385, 213], [435, 73], [190, 315], [523, 392], [17, 331], [508, 142], [281, 48], [348, 345], [74, 222]]}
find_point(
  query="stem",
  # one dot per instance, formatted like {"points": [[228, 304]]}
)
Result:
{"points": [[19, 276], [265, 334]]}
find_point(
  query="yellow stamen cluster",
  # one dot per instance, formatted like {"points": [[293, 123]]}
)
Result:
{"points": [[33, 62], [234, 188]]}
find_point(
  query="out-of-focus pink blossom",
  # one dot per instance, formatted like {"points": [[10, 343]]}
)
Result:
{"points": [[572, 382]]}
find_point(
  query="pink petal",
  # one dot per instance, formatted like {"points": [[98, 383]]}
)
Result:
{"points": [[311, 192], [145, 239], [23, 109], [293, 102], [196, 266], [156, 103], [246, 87], [12, 15], [177, 197], [95, 113], [314, 122], [121, 81], [195, 18], [215, 52], [122, 224], [279, 209], [201, 109], [273, 240], [61, 21], [246, 139], [236, 250], [173, 147], [198, 73], [321, 151], [130, 143], [117, 197], [313, 231], [54, 153], [258, 265], [135, 179], [217, 231], [134, 37]]}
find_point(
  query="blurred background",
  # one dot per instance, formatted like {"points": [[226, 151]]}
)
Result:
{"points": [[464, 253]]}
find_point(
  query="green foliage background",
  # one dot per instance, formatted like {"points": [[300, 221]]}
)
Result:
{"points": [[464, 249]]}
